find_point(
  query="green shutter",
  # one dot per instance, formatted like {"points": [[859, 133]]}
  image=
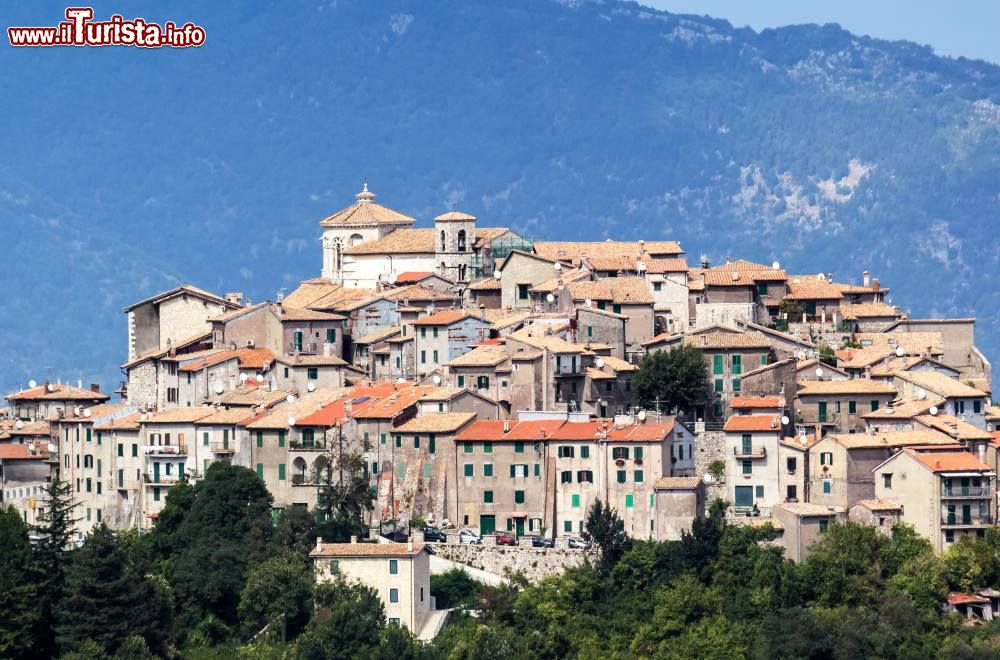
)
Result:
{"points": [[629, 501], [470, 470], [717, 365], [431, 444], [260, 470], [416, 442], [487, 469], [518, 447], [737, 364], [281, 471], [260, 439], [576, 501]]}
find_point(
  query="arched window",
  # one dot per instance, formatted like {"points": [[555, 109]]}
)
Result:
{"points": [[299, 469], [461, 240], [355, 239], [461, 273], [444, 269], [444, 243]]}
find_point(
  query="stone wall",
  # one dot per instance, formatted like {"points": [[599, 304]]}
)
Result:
{"points": [[710, 446], [535, 563]]}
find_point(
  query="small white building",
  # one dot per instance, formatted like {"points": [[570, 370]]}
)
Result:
{"points": [[399, 572]]}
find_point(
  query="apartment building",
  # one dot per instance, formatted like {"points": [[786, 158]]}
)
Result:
{"points": [[837, 406]]}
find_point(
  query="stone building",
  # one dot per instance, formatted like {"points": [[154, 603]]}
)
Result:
{"points": [[677, 503], [159, 322], [50, 400]]}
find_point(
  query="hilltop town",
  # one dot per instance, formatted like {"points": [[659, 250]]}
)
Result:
{"points": [[484, 380]]}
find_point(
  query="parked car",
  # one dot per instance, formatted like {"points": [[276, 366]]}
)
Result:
{"points": [[434, 535], [576, 542], [503, 538], [539, 541], [468, 537]]}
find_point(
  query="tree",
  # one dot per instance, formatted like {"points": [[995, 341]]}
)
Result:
{"points": [[278, 592], [106, 600], [607, 531], [827, 355], [454, 588], [348, 623], [344, 501], [20, 610], [717, 469], [51, 550], [677, 379]]}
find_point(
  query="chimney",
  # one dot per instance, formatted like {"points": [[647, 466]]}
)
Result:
{"points": [[866, 278], [829, 278], [79, 383], [875, 285], [319, 540], [95, 388], [409, 545], [506, 426], [234, 298], [45, 385], [354, 539]]}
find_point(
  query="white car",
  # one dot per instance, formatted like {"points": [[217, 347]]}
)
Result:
{"points": [[576, 542], [468, 537]]}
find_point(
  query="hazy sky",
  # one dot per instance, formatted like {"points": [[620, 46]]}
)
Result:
{"points": [[958, 27]]}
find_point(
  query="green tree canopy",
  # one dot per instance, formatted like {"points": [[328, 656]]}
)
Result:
{"points": [[677, 379], [20, 609]]}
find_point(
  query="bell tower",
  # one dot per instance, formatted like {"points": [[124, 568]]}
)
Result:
{"points": [[454, 238]]}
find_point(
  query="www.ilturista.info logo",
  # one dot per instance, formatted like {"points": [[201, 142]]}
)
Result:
{"points": [[81, 30]]}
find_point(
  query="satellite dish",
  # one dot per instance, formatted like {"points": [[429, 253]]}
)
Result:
{"points": [[52, 448], [599, 363], [550, 298], [51, 388], [311, 387], [819, 372], [86, 413], [588, 302], [31, 446], [921, 393], [392, 278], [708, 478], [496, 274], [243, 378], [558, 266], [437, 379], [642, 415], [291, 421], [219, 388], [290, 398], [933, 410], [784, 420], [776, 265], [32, 384], [19, 425], [801, 355], [260, 378], [899, 351]]}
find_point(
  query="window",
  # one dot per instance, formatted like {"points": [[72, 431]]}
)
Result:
{"points": [[487, 469], [482, 382], [638, 453], [518, 447], [566, 451], [827, 487], [518, 497], [135, 450], [260, 470], [747, 443], [824, 524], [434, 356], [538, 469], [434, 332], [759, 492], [874, 405], [637, 476], [792, 464], [312, 373], [791, 493], [260, 439], [629, 501], [468, 448], [887, 479], [281, 471], [620, 477], [717, 365], [394, 597], [331, 335], [720, 387], [761, 289], [487, 497], [566, 477], [423, 357], [763, 360], [518, 470], [747, 467], [89, 435], [461, 381], [567, 525], [736, 364], [431, 444], [382, 438], [121, 450], [399, 442], [736, 385], [470, 470], [657, 286], [416, 442], [393, 567], [423, 333], [619, 453], [522, 291], [590, 331], [826, 458], [977, 407], [585, 476], [487, 447], [156, 494]]}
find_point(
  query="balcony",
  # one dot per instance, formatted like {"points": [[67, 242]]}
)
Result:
{"points": [[224, 447], [163, 450], [308, 445], [162, 480], [310, 348], [966, 521], [812, 417], [754, 452], [965, 491], [748, 512], [304, 480]]}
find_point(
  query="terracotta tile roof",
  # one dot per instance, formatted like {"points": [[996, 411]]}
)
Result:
{"points": [[959, 598], [296, 314], [236, 313], [797, 443], [223, 417], [413, 276], [812, 288], [747, 423], [858, 288], [378, 335], [481, 356], [648, 432], [365, 212], [184, 289], [957, 461], [126, 423], [250, 394], [486, 234], [309, 292], [158, 353], [940, 384], [489, 284], [850, 386], [180, 415], [677, 483], [992, 413], [538, 339], [95, 413], [597, 374], [303, 406], [417, 292], [618, 364], [247, 358], [28, 429], [446, 317], [443, 393], [56, 392], [756, 402], [401, 241], [913, 343], [903, 410], [572, 251], [367, 549], [953, 426], [879, 505], [619, 290], [341, 298], [492, 430], [860, 358], [311, 361], [436, 423], [867, 310], [556, 283], [892, 365], [630, 264], [808, 510], [740, 273], [18, 452], [891, 439], [723, 339]]}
